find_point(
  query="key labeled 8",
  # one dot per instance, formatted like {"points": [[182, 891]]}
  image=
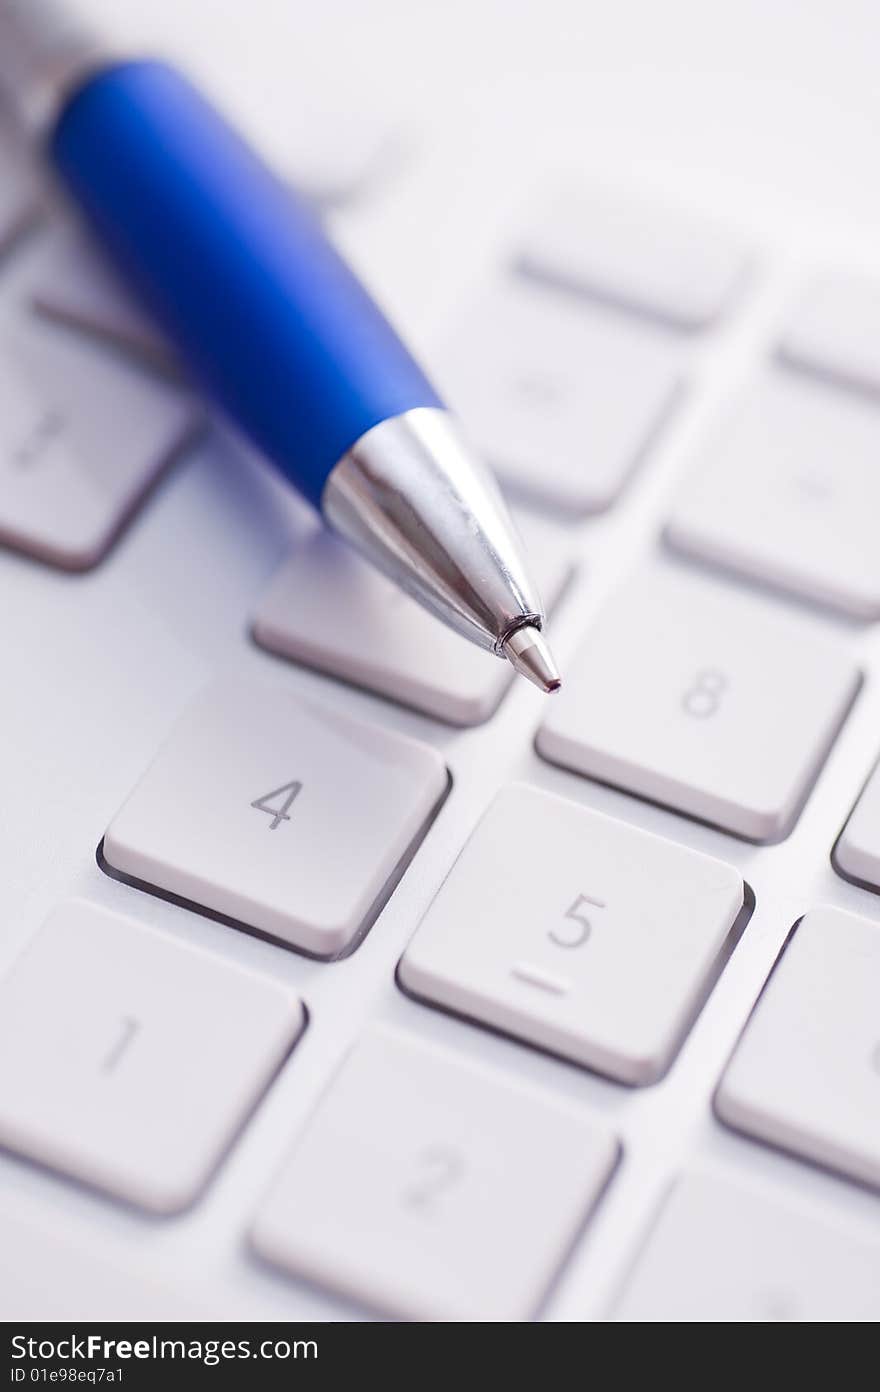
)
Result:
{"points": [[703, 698]]}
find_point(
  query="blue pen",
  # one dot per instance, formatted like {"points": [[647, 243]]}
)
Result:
{"points": [[273, 325]]}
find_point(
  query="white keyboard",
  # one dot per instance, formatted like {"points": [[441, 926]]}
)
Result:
{"points": [[341, 975]]}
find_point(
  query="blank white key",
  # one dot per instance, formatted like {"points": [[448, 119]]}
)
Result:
{"points": [[603, 956], [430, 1189], [129, 1060], [659, 260], [703, 699], [283, 816], [857, 853], [562, 400], [76, 286], [335, 158], [834, 329], [806, 1073], [82, 438], [327, 608], [724, 1252], [786, 490]]}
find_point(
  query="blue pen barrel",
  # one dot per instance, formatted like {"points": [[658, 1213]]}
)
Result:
{"points": [[235, 268]]}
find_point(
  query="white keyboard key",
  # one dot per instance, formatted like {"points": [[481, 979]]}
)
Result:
{"points": [[857, 853], [76, 286], [336, 158], [834, 329], [662, 261], [82, 438], [129, 1060], [806, 1073], [704, 700], [430, 1189], [786, 491], [285, 817], [605, 956], [722, 1252], [327, 608], [562, 400]]}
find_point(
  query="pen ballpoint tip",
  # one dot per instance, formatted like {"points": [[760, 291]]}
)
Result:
{"points": [[530, 655]]}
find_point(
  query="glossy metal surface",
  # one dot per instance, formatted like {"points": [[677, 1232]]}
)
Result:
{"points": [[414, 499], [527, 651]]}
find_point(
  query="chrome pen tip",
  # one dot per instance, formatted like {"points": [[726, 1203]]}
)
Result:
{"points": [[529, 654]]}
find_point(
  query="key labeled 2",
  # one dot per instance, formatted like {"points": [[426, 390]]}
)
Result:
{"points": [[428, 1188], [286, 818]]}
